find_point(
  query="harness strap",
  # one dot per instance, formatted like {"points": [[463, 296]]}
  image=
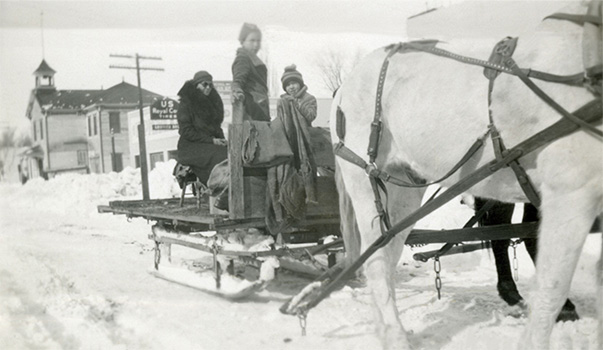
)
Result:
{"points": [[579, 19], [384, 221], [573, 79], [371, 169], [340, 124], [502, 51], [373, 146], [591, 112], [587, 127]]}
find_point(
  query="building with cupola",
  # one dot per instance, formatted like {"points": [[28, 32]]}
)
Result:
{"points": [[82, 131]]}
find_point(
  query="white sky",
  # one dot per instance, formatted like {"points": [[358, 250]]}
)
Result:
{"points": [[190, 36]]}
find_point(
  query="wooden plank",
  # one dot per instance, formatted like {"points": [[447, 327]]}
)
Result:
{"points": [[484, 233], [200, 243], [254, 188], [236, 198]]}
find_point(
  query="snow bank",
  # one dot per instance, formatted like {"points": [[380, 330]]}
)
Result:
{"points": [[80, 194]]}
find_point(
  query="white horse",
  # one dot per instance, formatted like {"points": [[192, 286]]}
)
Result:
{"points": [[434, 108]]}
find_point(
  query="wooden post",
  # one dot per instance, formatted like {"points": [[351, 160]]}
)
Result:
{"points": [[236, 195]]}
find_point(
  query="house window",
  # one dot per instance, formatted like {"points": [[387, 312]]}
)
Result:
{"points": [[35, 131], [114, 122], [95, 127], [156, 158], [173, 155], [41, 129], [82, 157], [89, 126], [137, 161], [118, 162]]}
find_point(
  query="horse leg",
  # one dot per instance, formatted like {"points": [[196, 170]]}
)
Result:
{"points": [[379, 268], [568, 311], [567, 218], [501, 213], [506, 286]]}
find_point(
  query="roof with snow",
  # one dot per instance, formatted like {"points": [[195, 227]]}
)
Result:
{"points": [[77, 100], [44, 69]]}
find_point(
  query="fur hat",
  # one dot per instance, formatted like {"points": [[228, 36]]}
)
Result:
{"points": [[247, 29], [291, 74], [202, 76]]}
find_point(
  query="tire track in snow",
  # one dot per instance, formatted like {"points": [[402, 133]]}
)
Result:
{"points": [[30, 323]]}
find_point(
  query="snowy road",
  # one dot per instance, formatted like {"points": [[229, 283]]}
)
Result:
{"points": [[74, 279]]}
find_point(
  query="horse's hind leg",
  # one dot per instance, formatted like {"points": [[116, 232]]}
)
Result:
{"points": [[567, 218], [379, 268]]}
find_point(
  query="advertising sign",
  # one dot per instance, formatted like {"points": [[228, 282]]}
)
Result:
{"points": [[164, 109]]}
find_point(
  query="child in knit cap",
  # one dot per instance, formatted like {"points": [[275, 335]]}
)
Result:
{"points": [[297, 92]]}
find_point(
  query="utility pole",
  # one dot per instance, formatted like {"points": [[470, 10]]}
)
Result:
{"points": [[142, 145]]}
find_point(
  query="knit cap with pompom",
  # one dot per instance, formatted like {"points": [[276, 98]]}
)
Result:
{"points": [[291, 74]]}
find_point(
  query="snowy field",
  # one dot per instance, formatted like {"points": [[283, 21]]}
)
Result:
{"points": [[74, 279]]}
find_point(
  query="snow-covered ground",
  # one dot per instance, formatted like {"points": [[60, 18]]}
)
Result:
{"points": [[71, 278]]}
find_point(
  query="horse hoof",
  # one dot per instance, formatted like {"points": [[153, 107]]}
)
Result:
{"points": [[518, 310], [568, 313], [508, 292], [393, 338]]}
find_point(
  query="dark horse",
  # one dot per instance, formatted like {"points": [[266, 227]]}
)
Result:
{"points": [[501, 213]]}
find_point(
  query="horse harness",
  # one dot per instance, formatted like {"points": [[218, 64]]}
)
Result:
{"points": [[499, 62]]}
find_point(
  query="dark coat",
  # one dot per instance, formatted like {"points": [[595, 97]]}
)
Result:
{"points": [[250, 76], [199, 123], [305, 103]]}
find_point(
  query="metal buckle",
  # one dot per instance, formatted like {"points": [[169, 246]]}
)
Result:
{"points": [[370, 168]]}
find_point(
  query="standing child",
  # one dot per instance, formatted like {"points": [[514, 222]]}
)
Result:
{"points": [[297, 92]]}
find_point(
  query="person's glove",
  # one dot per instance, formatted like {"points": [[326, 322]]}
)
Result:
{"points": [[238, 95], [220, 142]]}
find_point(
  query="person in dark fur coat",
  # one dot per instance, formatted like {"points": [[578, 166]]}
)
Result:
{"points": [[250, 75], [200, 114]]}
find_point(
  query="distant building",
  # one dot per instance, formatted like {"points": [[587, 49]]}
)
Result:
{"points": [[71, 129]]}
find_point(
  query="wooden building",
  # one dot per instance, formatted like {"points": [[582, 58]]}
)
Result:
{"points": [[71, 129]]}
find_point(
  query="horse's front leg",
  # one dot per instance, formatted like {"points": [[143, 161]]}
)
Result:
{"points": [[566, 220]]}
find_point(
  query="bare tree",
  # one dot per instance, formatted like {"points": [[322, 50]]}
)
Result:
{"points": [[334, 65], [7, 143]]}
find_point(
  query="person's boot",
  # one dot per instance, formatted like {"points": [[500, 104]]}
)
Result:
{"points": [[222, 200]]}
